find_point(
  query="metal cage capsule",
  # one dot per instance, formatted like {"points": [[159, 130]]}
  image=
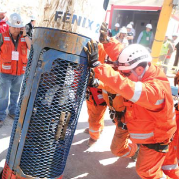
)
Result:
{"points": [[51, 97]]}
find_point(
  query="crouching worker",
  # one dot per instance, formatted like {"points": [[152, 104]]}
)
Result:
{"points": [[13, 60], [150, 117], [96, 107], [121, 144], [176, 137]]}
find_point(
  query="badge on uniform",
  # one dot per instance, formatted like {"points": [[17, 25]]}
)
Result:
{"points": [[15, 55], [147, 38]]}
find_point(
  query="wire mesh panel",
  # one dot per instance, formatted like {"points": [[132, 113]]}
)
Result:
{"points": [[59, 94], [53, 92]]}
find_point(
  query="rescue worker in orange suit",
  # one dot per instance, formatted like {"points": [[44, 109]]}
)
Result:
{"points": [[96, 107], [13, 60], [96, 110], [121, 144], [176, 137], [150, 116]]}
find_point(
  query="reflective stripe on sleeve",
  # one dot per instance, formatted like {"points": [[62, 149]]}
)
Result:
{"points": [[141, 136], [160, 101], [137, 92], [169, 167]]}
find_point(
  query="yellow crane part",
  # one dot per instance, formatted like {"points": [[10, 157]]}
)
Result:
{"points": [[161, 29]]}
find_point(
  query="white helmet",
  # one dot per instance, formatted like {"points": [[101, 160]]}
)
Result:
{"points": [[168, 36], [129, 26], [33, 18], [117, 25], [149, 26], [15, 21], [132, 23], [133, 55], [123, 30], [175, 35]]}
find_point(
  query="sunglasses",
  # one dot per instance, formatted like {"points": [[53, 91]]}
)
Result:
{"points": [[111, 63], [115, 66]]}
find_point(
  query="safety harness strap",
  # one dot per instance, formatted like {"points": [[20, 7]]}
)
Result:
{"points": [[119, 115], [111, 97], [159, 147], [120, 124], [116, 114]]}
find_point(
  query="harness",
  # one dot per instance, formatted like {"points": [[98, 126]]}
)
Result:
{"points": [[159, 147], [116, 114]]}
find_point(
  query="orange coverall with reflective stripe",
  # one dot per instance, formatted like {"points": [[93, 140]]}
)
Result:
{"points": [[176, 137], [121, 144], [96, 112], [177, 133], [150, 117]]}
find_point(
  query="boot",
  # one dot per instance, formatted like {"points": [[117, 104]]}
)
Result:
{"points": [[86, 131], [91, 142]]}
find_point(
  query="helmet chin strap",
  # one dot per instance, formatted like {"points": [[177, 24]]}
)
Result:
{"points": [[141, 76]]}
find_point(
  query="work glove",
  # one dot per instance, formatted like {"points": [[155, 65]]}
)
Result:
{"points": [[92, 53], [104, 33], [87, 95]]}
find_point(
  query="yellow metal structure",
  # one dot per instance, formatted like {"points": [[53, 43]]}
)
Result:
{"points": [[161, 29]]}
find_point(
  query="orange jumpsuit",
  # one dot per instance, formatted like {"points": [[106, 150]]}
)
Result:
{"points": [[150, 117], [96, 112], [177, 134], [121, 144], [176, 137]]}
